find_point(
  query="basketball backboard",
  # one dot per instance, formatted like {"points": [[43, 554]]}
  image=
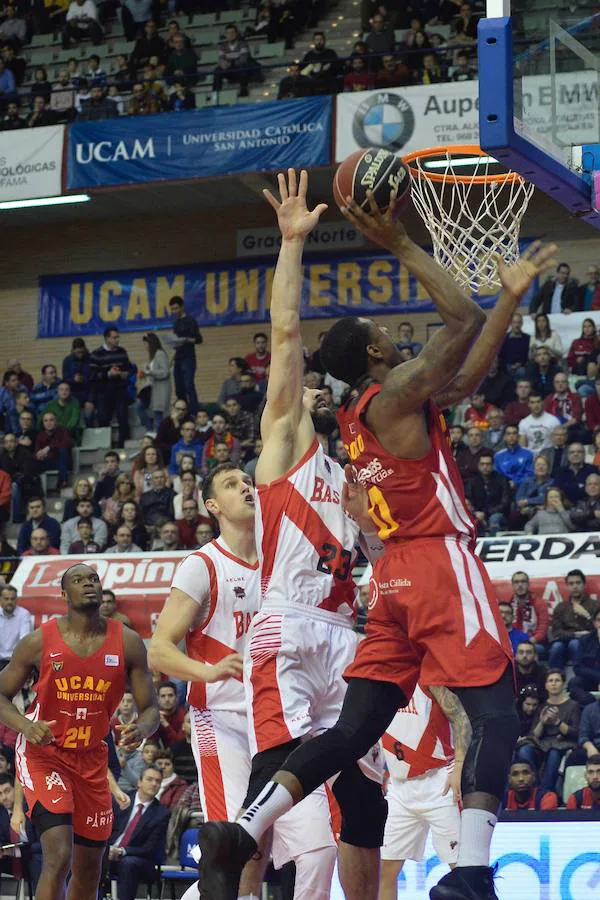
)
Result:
{"points": [[539, 95]]}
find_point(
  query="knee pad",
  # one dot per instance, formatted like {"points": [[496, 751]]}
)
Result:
{"points": [[364, 808], [264, 766], [490, 752]]}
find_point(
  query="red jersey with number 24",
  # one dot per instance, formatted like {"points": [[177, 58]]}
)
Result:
{"points": [[80, 693], [408, 498]]}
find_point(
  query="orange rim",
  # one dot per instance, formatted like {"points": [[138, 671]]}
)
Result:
{"points": [[456, 150]]}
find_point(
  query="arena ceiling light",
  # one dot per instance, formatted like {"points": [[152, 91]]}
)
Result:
{"points": [[45, 201], [458, 161]]}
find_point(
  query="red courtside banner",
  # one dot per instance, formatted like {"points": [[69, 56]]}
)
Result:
{"points": [[141, 581]]}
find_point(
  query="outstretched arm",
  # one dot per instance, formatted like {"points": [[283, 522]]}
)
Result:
{"points": [[516, 281], [409, 385], [283, 410]]}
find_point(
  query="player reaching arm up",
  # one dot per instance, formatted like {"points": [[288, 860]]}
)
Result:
{"points": [[286, 427], [516, 280]]}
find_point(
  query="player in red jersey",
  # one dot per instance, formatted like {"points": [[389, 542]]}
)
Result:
{"points": [[433, 614], [84, 662]]}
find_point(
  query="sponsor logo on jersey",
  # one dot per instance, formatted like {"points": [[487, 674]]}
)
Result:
{"points": [[81, 712], [111, 660], [57, 665], [100, 818], [78, 687], [322, 493], [373, 473], [390, 587], [54, 780], [239, 592]]}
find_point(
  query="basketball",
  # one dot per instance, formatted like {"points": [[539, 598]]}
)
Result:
{"points": [[374, 170]]}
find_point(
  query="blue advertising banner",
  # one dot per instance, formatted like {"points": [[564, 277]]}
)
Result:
{"points": [[201, 143], [225, 294]]}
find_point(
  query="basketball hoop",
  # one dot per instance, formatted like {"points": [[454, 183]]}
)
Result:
{"points": [[472, 209]]}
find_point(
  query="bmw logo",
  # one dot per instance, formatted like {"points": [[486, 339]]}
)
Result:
{"points": [[383, 120]]}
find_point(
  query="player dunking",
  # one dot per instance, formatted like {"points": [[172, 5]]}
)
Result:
{"points": [[422, 791], [214, 596], [84, 662], [433, 612]]}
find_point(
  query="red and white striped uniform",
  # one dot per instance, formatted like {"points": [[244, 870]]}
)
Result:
{"points": [[418, 738], [302, 639], [227, 591], [304, 539], [419, 754]]}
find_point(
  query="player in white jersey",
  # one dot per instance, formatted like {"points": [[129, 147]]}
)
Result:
{"points": [[302, 639], [422, 789], [214, 597]]}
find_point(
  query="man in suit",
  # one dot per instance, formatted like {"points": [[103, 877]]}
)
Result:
{"points": [[557, 295], [137, 842]]}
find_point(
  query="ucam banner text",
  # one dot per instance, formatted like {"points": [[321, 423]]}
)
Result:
{"points": [[412, 118], [197, 144], [227, 294]]}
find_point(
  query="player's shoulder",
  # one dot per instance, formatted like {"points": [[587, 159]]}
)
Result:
{"points": [[29, 647]]}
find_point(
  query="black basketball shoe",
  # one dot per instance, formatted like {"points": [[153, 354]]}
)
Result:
{"points": [[225, 848], [466, 883]]}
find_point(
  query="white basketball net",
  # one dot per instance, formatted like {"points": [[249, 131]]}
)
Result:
{"points": [[471, 222]]}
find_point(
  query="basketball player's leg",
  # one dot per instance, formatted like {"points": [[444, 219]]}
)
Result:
{"points": [[388, 878], [56, 838], [405, 835], [222, 755], [86, 869]]}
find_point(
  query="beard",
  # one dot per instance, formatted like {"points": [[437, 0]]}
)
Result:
{"points": [[324, 421]]}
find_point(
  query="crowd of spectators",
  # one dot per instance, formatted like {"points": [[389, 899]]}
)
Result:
{"points": [[157, 75], [399, 47]]}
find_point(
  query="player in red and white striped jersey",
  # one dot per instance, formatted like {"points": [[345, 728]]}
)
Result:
{"points": [[421, 792], [214, 597]]}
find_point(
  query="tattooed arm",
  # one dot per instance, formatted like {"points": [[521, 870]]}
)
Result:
{"points": [[461, 734]]}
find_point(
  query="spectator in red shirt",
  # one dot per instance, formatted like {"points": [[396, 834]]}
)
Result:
{"points": [[261, 358], [220, 435], [584, 349], [40, 544], [358, 78], [53, 448], [24, 377], [477, 413], [171, 715], [394, 73], [522, 792], [189, 523], [565, 405], [531, 613], [172, 785], [588, 797], [592, 408], [518, 409]]}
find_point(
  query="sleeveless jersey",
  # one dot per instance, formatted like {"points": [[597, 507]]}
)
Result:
{"points": [[228, 589], [408, 498], [80, 693], [418, 738], [306, 543]]}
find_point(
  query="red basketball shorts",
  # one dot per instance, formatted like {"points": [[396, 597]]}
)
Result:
{"points": [[433, 618], [69, 782]]}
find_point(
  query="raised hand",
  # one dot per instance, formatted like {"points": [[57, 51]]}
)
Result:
{"points": [[381, 228], [295, 220], [516, 279], [39, 733]]}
